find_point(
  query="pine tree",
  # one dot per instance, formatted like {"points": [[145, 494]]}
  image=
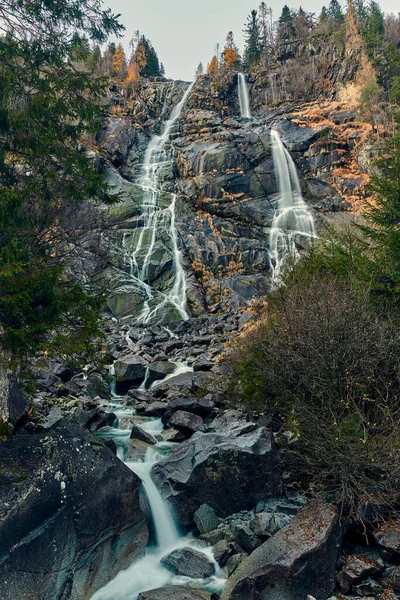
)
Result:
{"points": [[335, 13], [373, 29], [111, 48], [230, 43], [95, 58], [394, 95], [150, 67], [361, 11], [252, 50], [162, 70], [323, 15], [385, 217], [286, 29], [199, 71], [43, 177]]}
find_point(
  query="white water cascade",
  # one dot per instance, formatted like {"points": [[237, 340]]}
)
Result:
{"points": [[157, 221], [292, 223], [243, 94], [148, 572], [165, 530]]}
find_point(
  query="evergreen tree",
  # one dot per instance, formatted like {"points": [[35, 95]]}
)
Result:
{"points": [[252, 50], [373, 29], [360, 11], [394, 95], [95, 58], [335, 13], [385, 217], [286, 29], [151, 68], [323, 15], [47, 105], [111, 48], [162, 70], [199, 71]]}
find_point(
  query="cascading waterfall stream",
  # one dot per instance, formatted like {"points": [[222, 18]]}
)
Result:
{"points": [[165, 529], [243, 94], [154, 221], [292, 220], [149, 573]]}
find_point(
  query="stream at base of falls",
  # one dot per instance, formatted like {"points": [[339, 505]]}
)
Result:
{"points": [[148, 572]]}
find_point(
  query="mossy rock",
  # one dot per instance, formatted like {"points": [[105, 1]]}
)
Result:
{"points": [[125, 303]]}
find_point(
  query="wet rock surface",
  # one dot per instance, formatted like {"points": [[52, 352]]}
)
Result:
{"points": [[206, 519], [189, 562], [172, 593], [225, 179], [212, 469], [235, 527], [65, 491], [138, 433]]}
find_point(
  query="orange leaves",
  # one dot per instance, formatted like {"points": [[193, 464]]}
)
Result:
{"points": [[133, 73], [119, 60], [231, 58], [212, 68]]}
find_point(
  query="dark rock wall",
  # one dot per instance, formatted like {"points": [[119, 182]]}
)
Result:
{"points": [[224, 172], [70, 517]]}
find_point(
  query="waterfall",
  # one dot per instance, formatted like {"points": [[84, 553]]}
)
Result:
{"points": [[157, 221], [148, 573], [292, 220], [243, 94], [113, 384], [166, 532]]}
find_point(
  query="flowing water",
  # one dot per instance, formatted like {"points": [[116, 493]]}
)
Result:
{"points": [[243, 94], [157, 222], [148, 572], [293, 223]]}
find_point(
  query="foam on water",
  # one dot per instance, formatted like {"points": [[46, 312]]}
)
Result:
{"points": [[292, 219], [148, 572], [243, 94], [157, 220]]}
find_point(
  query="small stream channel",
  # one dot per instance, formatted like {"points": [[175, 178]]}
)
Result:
{"points": [[148, 572]]}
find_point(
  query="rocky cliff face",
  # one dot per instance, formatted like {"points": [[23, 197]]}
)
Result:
{"points": [[223, 171], [69, 515], [12, 401]]}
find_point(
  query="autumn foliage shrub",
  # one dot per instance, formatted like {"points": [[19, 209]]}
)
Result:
{"points": [[324, 363]]}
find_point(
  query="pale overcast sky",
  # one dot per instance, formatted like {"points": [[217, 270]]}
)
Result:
{"points": [[184, 32]]}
